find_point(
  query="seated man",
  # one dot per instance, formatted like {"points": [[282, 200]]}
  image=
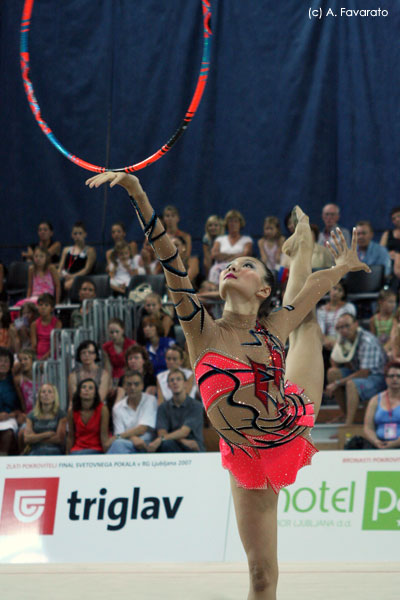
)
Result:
{"points": [[87, 291], [330, 217], [179, 421], [358, 362], [134, 417], [369, 251]]}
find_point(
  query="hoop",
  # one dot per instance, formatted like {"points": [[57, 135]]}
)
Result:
{"points": [[191, 111]]}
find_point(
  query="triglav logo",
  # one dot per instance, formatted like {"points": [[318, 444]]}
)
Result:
{"points": [[382, 501], [29, 506]]}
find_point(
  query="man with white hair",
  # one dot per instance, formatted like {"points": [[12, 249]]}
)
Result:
{"points": [[330, 217]]}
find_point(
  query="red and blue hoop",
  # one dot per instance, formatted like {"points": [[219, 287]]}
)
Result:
{"points": [[33, 103]]}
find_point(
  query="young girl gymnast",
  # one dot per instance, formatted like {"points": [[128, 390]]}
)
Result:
{"points": [[262, 409]]}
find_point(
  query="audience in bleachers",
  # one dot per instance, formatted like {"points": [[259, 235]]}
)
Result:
{"points": [[9, 404], [170, 219], [87, 291], [358, 361], [44, 433], [330, 218], [213, 228], [134, 417], [78, 259], [121, 267], [43, 326], [114, 350], [156, 343], [179, 421], [231, 245], [46, 242], [88, 366], [8, 333], [175, 358], [87, 420], [118, 234]]}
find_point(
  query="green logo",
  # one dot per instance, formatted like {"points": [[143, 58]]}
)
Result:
{"points": [[382, 501]]}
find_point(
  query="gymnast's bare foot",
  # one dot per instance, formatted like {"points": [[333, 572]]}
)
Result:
{"points": [[302, 236]]}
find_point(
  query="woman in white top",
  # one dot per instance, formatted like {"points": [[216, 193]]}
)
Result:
{"points": [[175, 359], [230, 246]]}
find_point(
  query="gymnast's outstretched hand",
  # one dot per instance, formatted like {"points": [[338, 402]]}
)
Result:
{"points": [[129, 182], [345, 256]]}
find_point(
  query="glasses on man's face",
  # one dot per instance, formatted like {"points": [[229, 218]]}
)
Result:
{"points": [[392, 375]]}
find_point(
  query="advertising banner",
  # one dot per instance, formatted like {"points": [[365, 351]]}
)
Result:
{"points": [[177, 507]]}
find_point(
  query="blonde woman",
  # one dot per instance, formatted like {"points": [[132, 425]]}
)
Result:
{"points": [[46, 424]]}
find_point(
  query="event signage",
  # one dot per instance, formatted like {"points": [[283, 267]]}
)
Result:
{"points": [[346, 506]]}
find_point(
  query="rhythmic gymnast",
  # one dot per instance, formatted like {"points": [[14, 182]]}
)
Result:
{"points": [[262, 410]]}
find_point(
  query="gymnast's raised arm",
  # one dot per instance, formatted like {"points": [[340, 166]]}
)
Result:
{"points": [[196, 322]]}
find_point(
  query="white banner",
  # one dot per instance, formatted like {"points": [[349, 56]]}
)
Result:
{"points": [[177, 507]]}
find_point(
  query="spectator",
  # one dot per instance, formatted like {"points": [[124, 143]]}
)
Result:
{"points": [[9, 405], [41, 328], [230, 246], [87, 291], [43, 278], [152, 306], [170, 219], [78, 259], [134, 417], [121, 267], [330, 217], [29, 313], [87, 421], [213, 229], [23, 381], [357, 367], [118, 234], [8, 332], [137, 359], [391, 237], [156, 344], [329, 313], [382, 417], [383, 324], [191, 263], [175, 359], [270, 245], [369, 251], [180, 421], [115, 348], [88, 366], [321, 257], [146, 262], [45, 425], [46, 242]]}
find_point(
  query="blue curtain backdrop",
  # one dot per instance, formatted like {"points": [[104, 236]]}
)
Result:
{"points": [[296, 110]]}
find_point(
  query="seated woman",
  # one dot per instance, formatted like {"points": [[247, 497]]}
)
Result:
{"points": [[329, 313], [382, 417], [87, 291], [88, 421], [156, 343], [152, 306], [213, 228], [45, 425], [118, 234], [9, 404], [46, 242], [8, 332], [230, 246], [88, 367], [78, 259], [175, 358], [114, 350]]}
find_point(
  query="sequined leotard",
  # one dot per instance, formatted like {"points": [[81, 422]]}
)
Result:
{"points": [[263, 422]]}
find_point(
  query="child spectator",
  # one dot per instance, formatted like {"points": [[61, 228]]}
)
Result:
{"points": [[43, 278], [87, 421], [78, 259], [121, 267], [213, 229], [29, 313], [180, 421], [270, 245], [9, 404], [383, 324], [175, 359], [87, 291], [46, 242], [8, 333], [170, 218], [118, 234], [115, 348], [152, 306], [46, 424], [23, 381], [156, 344], [134, 417], [41, 328], [88, 366]]}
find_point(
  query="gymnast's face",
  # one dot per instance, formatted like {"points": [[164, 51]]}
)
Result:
{"points": [[245, 275]]}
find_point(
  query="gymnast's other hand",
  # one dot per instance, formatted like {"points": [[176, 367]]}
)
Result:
{"points": [[345, 256], [128, 182]]}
